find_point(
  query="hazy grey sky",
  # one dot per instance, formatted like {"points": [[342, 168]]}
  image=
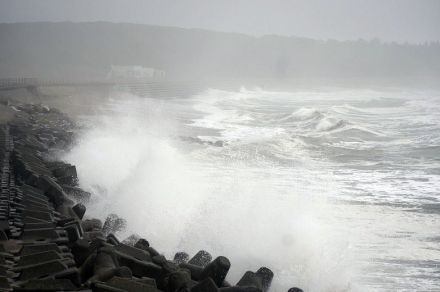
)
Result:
{"points": [[389, 20]]}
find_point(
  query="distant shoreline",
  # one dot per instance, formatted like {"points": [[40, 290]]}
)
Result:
{"points": [[88, 50]]}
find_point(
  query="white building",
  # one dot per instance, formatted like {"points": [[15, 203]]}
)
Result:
{"points": [[136, 73]]}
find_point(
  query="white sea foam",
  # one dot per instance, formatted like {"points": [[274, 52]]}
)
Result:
{"points": [[273, 195], [305, 113], [182, 202]]}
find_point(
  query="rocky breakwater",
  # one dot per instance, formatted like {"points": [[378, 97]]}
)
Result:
{"points": [[46, 243]]}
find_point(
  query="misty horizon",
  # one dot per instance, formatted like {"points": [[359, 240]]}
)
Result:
{"points": [[220, 145], [367, 40], [389, 21], [70, 50]]}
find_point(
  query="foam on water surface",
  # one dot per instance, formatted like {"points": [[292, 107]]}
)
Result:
{"points": [[329, 189]]}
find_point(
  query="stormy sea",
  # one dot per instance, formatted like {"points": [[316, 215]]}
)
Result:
{"points": [[333, 189]]}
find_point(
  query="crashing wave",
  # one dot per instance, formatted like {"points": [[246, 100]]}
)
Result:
{"points": [[330, 124], [303, 114]]}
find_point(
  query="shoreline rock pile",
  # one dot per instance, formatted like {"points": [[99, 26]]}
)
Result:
{"points": [[46, 244]]}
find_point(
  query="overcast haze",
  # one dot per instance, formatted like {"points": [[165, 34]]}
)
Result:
{"points": [[297, 142], [414, 21]]}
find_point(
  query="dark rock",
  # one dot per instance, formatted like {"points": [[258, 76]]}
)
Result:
{"points": [[38, 258], [145, 245], [79, 210], [68, 180], [139, 268], [36, 248], [3, 236], [225, 284], [168, 267], [130, 285], [206, 285], [73, 230], [65, 210], [266, 276], [104, 287], [112, 239], [122, 272], [251, 279], [4, 284], [134, 252], [47, 285], [105, 266], [142, 244], [181, 257], [65, 169], [30, 190], [261, 279], [178, 280], [104, 260], [202, 258], [39, 225], [71, 274], [131, 240], [41, 269], [159, 260], [91, 224], [92, 235], [295, 289], [87, 267], [42, 215], [113, 223], [153, 252], [81, 250], [217, 270], [240, 289], [196, 271], [147, 281], [76, 193], [96, 243], [52, 190]]}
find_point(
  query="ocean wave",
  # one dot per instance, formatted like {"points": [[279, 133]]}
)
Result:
{"points": [[309, 121], [330, 124], [356, 132], [304, 113]]}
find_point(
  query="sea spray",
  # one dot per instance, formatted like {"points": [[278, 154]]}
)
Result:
{"points": [[257, 215], [127, 160]]}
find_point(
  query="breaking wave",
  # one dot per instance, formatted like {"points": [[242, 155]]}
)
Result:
{"points": [[316, 186]]}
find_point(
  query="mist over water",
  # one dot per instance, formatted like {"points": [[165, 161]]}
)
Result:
{"points": [[334, 190], [331, 179]]}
